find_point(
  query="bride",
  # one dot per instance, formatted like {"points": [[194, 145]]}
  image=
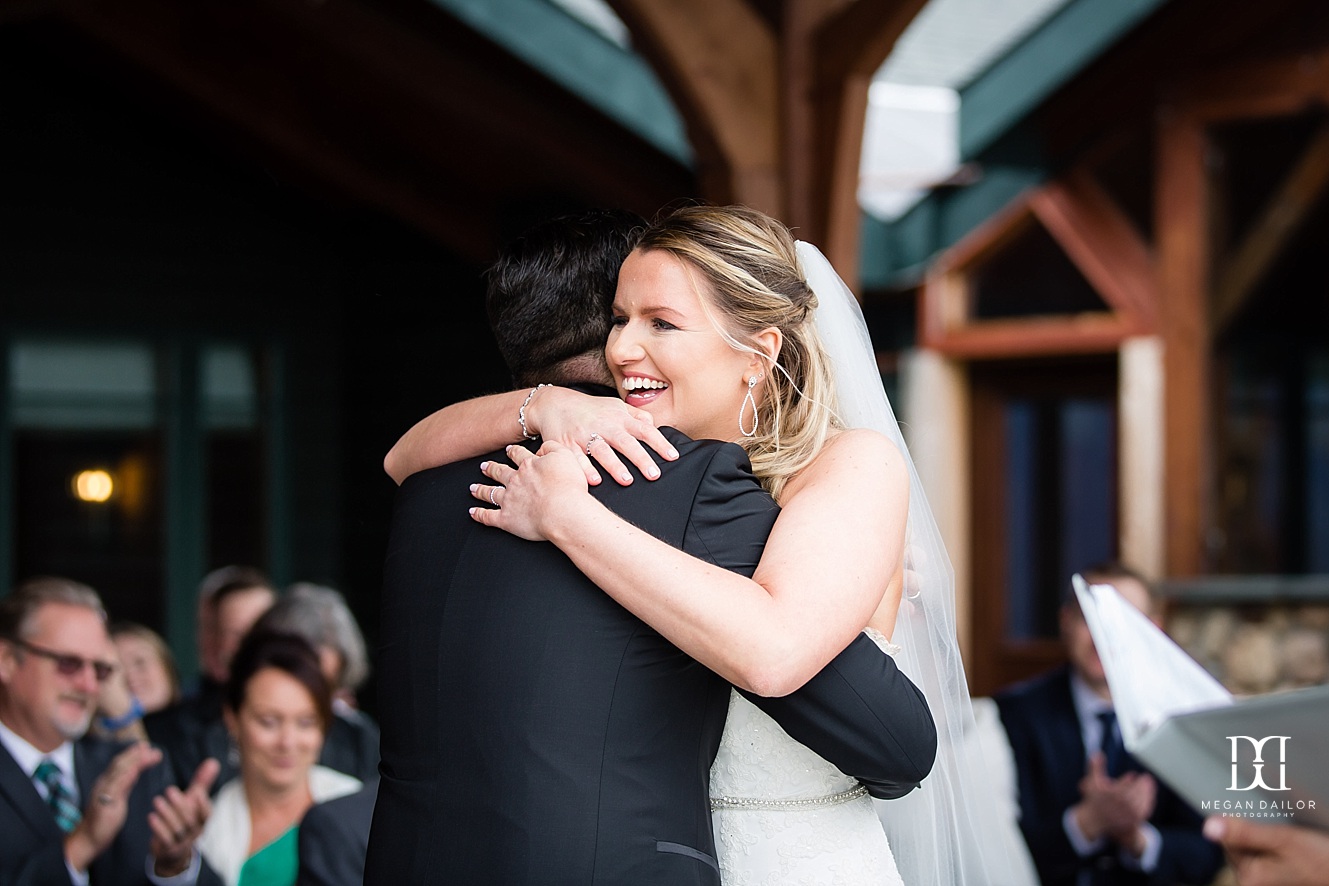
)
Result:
{"points": [[718, 330]]}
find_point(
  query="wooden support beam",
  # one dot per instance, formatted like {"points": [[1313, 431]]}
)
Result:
{"points": [[843, 218], [719, 60], [1274, 88], [1103, 243], [849, 43], [1281, 217], [1182, 211], [776, 118], [805, 145], [1034, 337], [857, 37]]}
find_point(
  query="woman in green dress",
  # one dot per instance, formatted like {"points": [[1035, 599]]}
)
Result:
{"points": [[277, 707]]}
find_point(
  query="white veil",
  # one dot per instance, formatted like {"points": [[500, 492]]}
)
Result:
{"points": [[946, 832]]}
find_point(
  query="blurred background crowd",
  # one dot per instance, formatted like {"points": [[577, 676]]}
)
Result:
{"points": [[1086, 235]]}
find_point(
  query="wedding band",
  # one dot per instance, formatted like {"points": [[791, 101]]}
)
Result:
{"points": [[105, 799], [492, 490], [591, 442]]}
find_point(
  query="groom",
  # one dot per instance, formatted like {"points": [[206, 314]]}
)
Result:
{"points": [[533, 731]]}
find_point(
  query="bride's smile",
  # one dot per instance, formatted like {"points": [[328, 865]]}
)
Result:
{"points": [[666, 354]]}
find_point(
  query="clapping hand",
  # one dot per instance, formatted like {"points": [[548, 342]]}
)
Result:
{"points": [[1115, 808], [177, 818], [108, 804]]}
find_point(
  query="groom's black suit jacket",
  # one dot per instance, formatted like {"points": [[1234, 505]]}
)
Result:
{"points": [[535, 732]]}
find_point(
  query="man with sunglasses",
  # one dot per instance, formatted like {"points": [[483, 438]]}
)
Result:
{"points": [[76, 809]]}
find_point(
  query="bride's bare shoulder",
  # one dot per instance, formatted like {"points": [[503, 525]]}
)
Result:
{"points": [[865, 458], [860, 443]]}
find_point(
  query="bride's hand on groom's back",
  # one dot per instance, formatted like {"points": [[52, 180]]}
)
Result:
{"points": [[537, 495], [600, 428]]}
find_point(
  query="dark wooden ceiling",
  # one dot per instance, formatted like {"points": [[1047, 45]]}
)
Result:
{"points": [[391, 105]]}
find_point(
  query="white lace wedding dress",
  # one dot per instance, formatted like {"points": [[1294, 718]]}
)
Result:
{"points": [[783, 816]]}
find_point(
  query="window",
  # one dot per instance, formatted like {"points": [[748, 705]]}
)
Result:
{"points": [[129, 456]]}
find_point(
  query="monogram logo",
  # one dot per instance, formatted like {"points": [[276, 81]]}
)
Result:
{"points": [[1258, 764]]}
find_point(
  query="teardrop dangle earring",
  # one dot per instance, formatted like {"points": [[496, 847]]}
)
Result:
{"points": [[748, 399]]}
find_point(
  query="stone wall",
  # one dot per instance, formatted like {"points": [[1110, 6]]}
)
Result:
{"points": [[1255, 647]]}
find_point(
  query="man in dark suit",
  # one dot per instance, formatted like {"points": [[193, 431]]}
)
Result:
{"points": [[533, 731], [1088, 811], [77, 810]]}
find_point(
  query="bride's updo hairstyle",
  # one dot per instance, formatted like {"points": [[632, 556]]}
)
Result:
{"points": [[749, 260]]}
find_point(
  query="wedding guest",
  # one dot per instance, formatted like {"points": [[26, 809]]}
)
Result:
{"points": [[321, 617], [1088, 809], [76, 808], [230, 600], [277, 708], [144, 681], [1272, 854], [148, 665]]}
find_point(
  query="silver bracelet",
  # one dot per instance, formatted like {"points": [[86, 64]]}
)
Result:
{"points": [[521, 413]]}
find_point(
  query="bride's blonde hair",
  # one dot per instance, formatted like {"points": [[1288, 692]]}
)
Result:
{"points": [[749, 260]]}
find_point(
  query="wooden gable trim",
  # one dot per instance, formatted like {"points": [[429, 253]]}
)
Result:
{"points": [[1103, 243], [1089, 333], [1099, 240], [990, 236]]}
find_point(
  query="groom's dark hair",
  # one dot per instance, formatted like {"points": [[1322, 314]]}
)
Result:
{"points": [[550, 293]]}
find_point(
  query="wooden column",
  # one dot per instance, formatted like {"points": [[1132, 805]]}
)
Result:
{"points": [[851, 41], [1182, 216], [718, 59], [775, 103]]}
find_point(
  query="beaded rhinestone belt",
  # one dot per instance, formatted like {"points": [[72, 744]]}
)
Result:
{"points": [[788, 805]]}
